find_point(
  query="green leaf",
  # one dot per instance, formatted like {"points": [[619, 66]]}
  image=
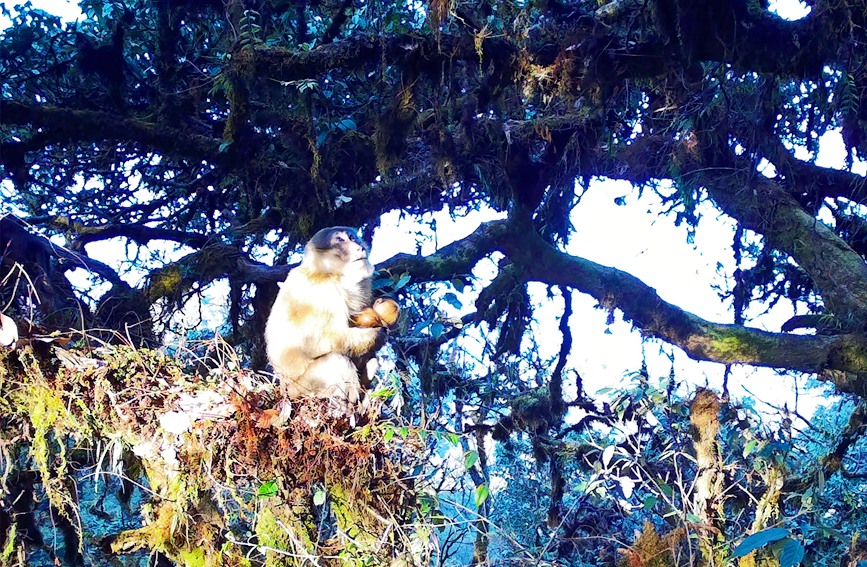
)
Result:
{"points": [[267, 489], [453, 300], [402, 282], [319, 497], [470, 459], [347, 124], [759, 539], [482, 493], [750, 447], [436, 330], [792, 554], [650, 502], [389, 433]]}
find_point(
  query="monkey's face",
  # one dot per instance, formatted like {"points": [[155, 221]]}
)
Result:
{"points": [[339, 250]]}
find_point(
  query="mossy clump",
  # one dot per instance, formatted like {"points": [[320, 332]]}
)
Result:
{"points": [[235, 475]]}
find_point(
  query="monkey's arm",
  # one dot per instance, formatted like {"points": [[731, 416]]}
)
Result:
{"points": [[360, 341]]}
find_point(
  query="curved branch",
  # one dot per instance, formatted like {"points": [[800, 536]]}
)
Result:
{"points": [[138, 233], [699, 338], [537, 260], [206, 265], [450, 261], [763, 206], [814, 180], [15, 231]]}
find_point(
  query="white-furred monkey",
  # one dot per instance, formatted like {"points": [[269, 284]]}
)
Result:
{"points": [[314, 349]]}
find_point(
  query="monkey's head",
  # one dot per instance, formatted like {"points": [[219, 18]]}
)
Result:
{"points": [[338, 250]]}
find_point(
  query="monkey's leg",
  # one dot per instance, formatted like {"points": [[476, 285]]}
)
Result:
{"points": [[367, 368], [332, 376]]}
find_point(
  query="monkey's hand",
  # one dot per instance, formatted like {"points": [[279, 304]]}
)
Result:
{"points": [[361, 341], [388, 310]]}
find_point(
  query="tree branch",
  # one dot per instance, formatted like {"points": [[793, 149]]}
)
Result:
{"points": [[91, 125], [138, 233], [15, 231], [536, 260], [762, 205]]}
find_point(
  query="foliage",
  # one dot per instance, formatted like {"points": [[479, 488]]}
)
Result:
{"points": [[181, 152]]}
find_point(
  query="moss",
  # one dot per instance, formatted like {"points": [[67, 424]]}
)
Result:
{"points": [[11, 545], [203, 482], [195, 558], [392, 128], [166, 282], [272, 533], [733, 344], [51, 423]]}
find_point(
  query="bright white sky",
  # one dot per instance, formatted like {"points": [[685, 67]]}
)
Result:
{"points": [[634, 238]]}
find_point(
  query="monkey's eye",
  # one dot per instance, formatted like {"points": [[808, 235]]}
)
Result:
{"points": [[339, 238]]}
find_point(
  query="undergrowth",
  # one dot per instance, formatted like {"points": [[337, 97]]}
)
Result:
{"points": [[233, 474]]}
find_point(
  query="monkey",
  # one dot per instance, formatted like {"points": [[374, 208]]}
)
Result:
{"points": [[310, 341]]}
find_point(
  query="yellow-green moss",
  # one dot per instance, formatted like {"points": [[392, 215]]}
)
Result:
{"points": [[11, 544], [196, 558], [166, 282], [271, 531], [117, 395], [50, 419]]}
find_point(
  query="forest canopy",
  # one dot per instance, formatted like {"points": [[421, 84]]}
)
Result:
{"points": [[207, 141]]}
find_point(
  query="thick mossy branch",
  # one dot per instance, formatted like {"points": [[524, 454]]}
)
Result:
{"points": [[200, 268], [700, 339], [361, 51], [66, 125], [761, 205], [762, 41], [537, 260]]}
